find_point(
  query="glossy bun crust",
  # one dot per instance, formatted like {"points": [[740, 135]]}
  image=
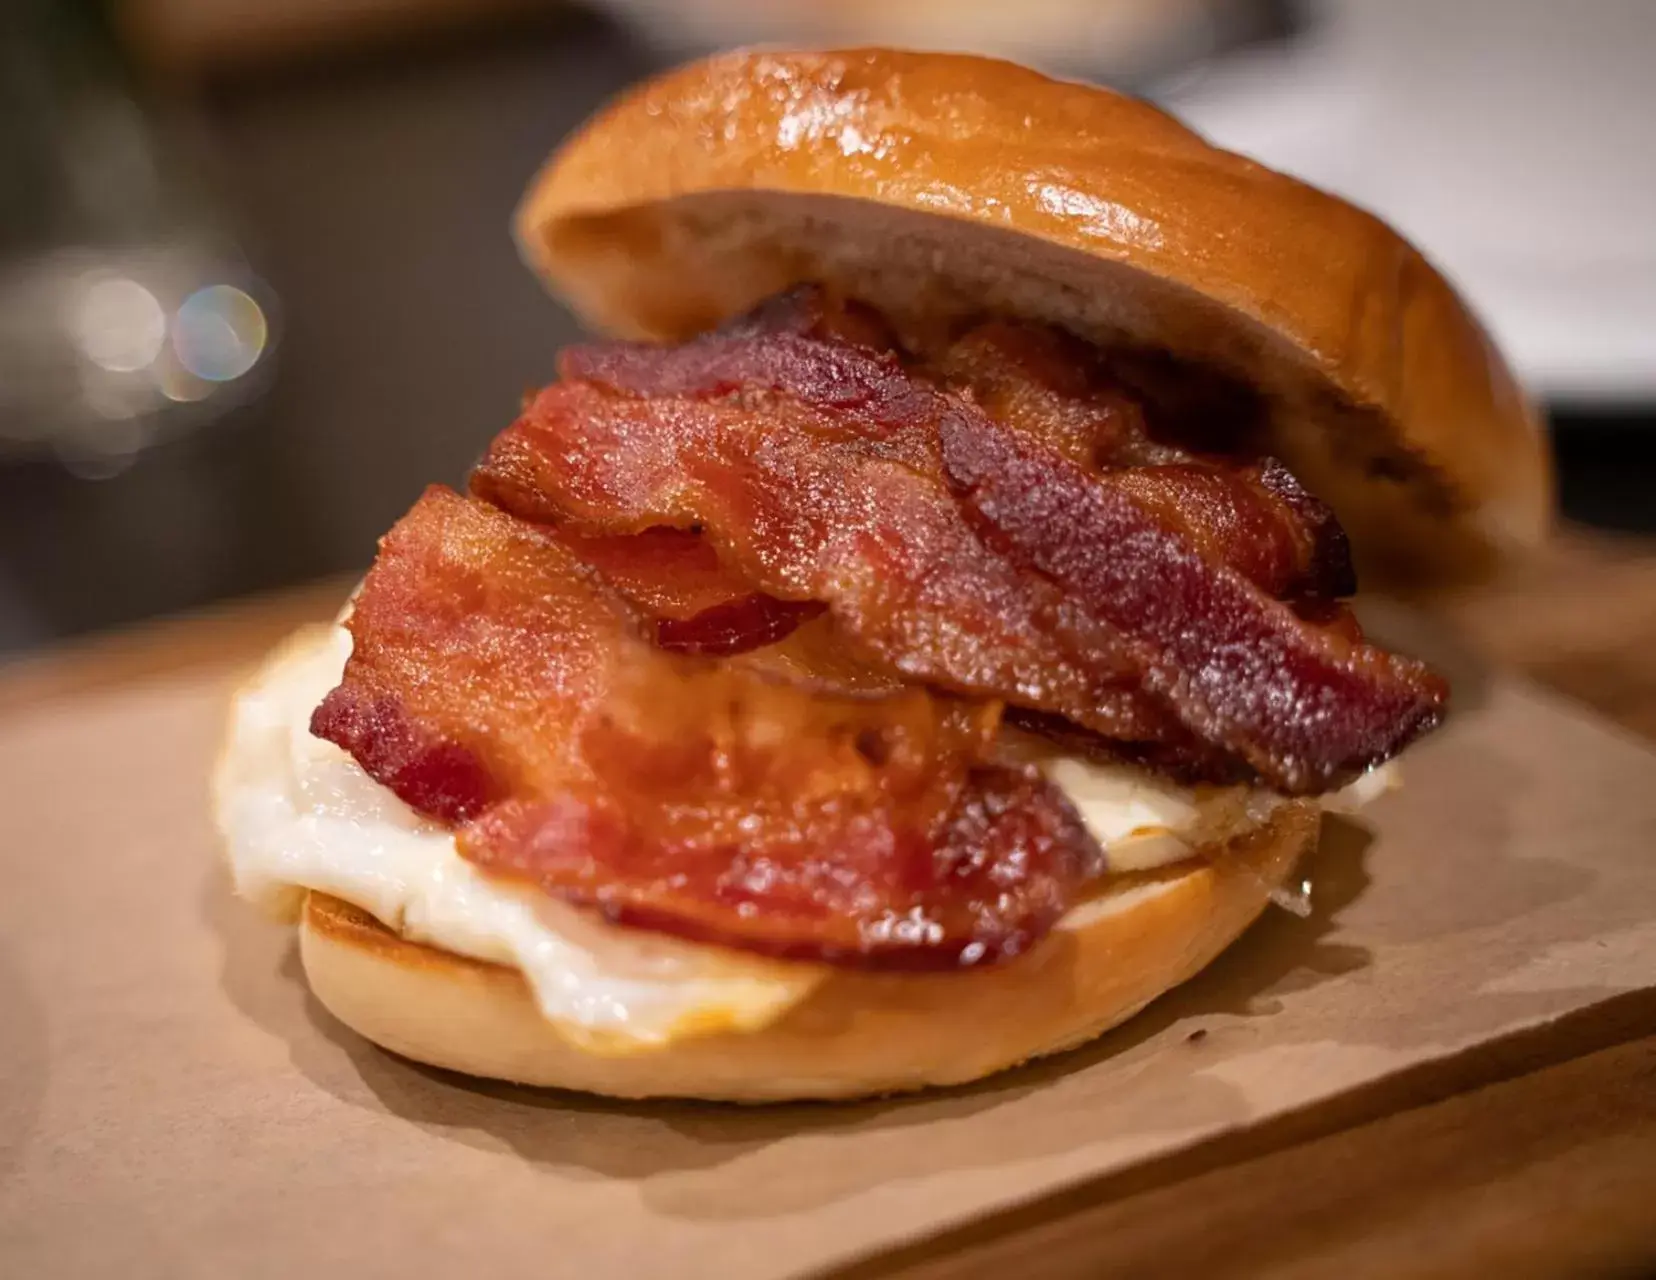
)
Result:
{"points": [[939, 186], [857, 1034]]}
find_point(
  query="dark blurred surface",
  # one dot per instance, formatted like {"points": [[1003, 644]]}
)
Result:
{"points": [[1607, 466], [372, 194]]}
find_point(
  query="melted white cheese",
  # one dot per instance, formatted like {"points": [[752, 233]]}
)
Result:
{"points": [[1143, 821], [298, 814]]}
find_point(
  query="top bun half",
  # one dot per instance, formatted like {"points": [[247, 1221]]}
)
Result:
{"points": [[942, 186]]}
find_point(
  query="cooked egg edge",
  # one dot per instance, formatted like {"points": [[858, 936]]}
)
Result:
{"points": [[298, 813]]}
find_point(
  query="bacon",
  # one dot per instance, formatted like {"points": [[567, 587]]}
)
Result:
{"points": [[439, 778], [827, 471], [1326, 571], [1054, 387], [697, 606], [665, 572], [1003, 869], [810, 311], [707, 799], [805, 510], [819, 655], [1254, 516], [1304, 706], [867, 388], [1249, 513], [1180, 756], [735, 627]]}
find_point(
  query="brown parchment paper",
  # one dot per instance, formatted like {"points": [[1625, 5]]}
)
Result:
{"points": [[172, 1102]]}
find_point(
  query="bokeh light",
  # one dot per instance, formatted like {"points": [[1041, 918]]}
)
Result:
{"points": [[219, 333], [119, 325]]}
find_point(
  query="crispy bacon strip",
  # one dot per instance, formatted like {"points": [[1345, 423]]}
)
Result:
{"points": [[1305, 706], [440, 778], [704, 799], [1249, 513], [697, 605], [1054, 387], [825, 471], [805, 510], [666, 573], [736, 626], [1003, 868], [1253, 516]]}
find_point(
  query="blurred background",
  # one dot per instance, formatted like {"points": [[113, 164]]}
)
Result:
{"points": [[256, 287]]}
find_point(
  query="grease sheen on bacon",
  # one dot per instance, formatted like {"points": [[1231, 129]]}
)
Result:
{"points": [[1065, 562], [696, 605], [1249, 513], [803, 513], [499, 683]]}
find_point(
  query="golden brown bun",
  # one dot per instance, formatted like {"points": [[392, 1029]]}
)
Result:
{"points": [[856, 1034], [941, 185]]}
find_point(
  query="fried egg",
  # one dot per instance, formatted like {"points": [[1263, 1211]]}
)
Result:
{"points": [[300, 814]]}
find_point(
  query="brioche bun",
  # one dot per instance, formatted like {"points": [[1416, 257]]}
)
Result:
{"points": [[938, 186], [857, 1034]]}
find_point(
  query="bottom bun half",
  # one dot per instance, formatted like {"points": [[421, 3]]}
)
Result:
{"points": [[858, 1033]]}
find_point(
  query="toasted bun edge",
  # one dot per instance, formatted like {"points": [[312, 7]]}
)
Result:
{"points": [[859, 1034]]}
